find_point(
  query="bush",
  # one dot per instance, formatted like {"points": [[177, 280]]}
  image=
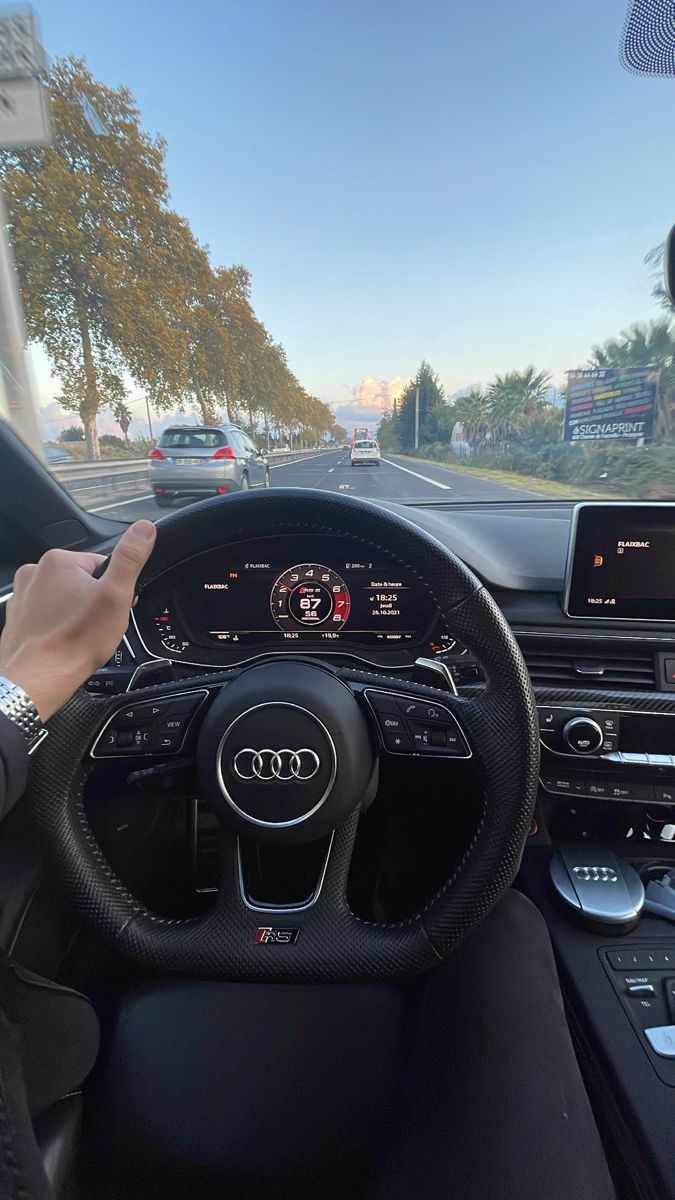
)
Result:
{"points": [[113, 441], [72, 433], [641, 472]]}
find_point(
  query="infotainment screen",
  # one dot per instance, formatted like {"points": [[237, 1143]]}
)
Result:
{"points": [[621, 562]]}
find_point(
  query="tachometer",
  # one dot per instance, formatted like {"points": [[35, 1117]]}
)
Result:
{"points": [[309, 596], [442, 642], [171, 635]]}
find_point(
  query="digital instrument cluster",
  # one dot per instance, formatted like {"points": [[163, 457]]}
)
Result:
{"points": [[227, 605]]}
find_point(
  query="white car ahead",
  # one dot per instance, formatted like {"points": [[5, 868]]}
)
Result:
{"points": [[365, 452]]}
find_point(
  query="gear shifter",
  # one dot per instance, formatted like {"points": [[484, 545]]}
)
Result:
{"points": [[604, 892]]}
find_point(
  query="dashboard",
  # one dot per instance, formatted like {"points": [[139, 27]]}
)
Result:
{"points": [[326, 595]]}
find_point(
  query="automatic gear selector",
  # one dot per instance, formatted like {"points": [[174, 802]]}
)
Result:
{"points": [[604, 892]]}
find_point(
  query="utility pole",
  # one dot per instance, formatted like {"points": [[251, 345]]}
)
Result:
{"points": [[417, 418], [147, 406], [16, 380], [24, 121]]}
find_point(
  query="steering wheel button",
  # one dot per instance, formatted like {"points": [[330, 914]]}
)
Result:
{"points": [[397, 741], [455, 744], [181, 704], [124, 738], [138, 714], [439, 737], [382, 702], [166, 741], [174, 724], [422, 710], [391, 723]]}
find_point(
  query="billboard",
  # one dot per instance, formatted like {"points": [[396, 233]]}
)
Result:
{"points": [[610, 403]]}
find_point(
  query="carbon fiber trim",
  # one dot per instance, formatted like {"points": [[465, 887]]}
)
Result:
{"points": [[656, 702], [501, 725]]}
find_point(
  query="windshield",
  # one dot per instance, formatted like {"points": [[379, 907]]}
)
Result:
{"points": [[250, 246]]}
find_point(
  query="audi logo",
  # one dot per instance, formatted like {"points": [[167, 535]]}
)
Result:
{"points": [[283, 765]]}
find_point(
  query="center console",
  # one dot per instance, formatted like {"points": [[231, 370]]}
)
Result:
{"points": [[605, 829]]}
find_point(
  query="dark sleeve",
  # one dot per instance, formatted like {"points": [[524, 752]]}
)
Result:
{"points": [[13, 764]]}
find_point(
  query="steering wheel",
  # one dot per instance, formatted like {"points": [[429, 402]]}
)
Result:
{"points": [[287, 750]]}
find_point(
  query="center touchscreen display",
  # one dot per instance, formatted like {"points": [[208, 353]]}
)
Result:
{"points": [[622, 562]]}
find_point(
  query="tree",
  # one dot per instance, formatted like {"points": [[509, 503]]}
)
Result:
{"points": [[124, 416], [430, 397], [387, 433], [82, 214], [473, 413], [654, 261], [514, 399]]}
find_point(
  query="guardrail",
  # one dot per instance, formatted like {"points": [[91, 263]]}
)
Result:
{"points": [[94, 482]]}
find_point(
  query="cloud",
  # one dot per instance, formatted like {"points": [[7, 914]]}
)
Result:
{"points": [[370, 399], [371, 395], [52, 419]]}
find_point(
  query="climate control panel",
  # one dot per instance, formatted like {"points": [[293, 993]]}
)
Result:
{"points": [[579, 731]]}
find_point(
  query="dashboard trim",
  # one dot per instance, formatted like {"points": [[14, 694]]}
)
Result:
{"points": [[316, 651], [606, 637], [282, 908]]}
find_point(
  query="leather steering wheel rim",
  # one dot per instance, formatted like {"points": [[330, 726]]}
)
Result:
{"points": [[333, 944]]}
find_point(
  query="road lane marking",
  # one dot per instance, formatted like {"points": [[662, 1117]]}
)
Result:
{"points": [[299, 461], [121, 503], [425, 478]]}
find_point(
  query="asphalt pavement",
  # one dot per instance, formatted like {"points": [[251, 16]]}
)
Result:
{"points": [[396, 478]]}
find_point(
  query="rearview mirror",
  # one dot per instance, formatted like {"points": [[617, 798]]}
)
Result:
{"points": [[669, 266]]}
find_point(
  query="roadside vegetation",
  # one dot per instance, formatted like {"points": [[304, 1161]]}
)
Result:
{"points": [[514, 426]]}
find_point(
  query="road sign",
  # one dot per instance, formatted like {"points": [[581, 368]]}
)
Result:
{"points": [[92, 118], [24, 114], [610, 404], [21, 55]]}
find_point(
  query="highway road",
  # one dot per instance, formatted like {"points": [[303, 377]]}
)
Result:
{"points": [[395, 479]]}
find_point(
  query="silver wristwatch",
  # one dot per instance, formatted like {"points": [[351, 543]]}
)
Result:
{"points": [[19, 707]]}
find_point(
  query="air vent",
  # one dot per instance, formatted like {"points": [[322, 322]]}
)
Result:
{"points": [[590, 667]]}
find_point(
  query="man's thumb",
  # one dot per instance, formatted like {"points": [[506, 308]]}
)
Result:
{"points": [[131, 554]]}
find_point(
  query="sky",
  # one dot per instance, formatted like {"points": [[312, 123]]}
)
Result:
{"points": [[475, 183]]}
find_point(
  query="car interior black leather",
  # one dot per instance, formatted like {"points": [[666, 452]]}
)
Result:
{"points": [[49, 1041]]}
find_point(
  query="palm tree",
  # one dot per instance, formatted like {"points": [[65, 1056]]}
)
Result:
{"points": [[473, 413], [515, 398], [651, 345], [654, 260]]}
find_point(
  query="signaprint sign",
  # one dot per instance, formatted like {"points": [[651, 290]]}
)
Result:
{"points": [[610, 404]]}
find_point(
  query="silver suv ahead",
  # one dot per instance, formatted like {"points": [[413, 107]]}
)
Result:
{"points": [[205, 460]]}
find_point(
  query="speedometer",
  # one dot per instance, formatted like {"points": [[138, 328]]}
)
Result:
{"points": [[309, 596]]}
